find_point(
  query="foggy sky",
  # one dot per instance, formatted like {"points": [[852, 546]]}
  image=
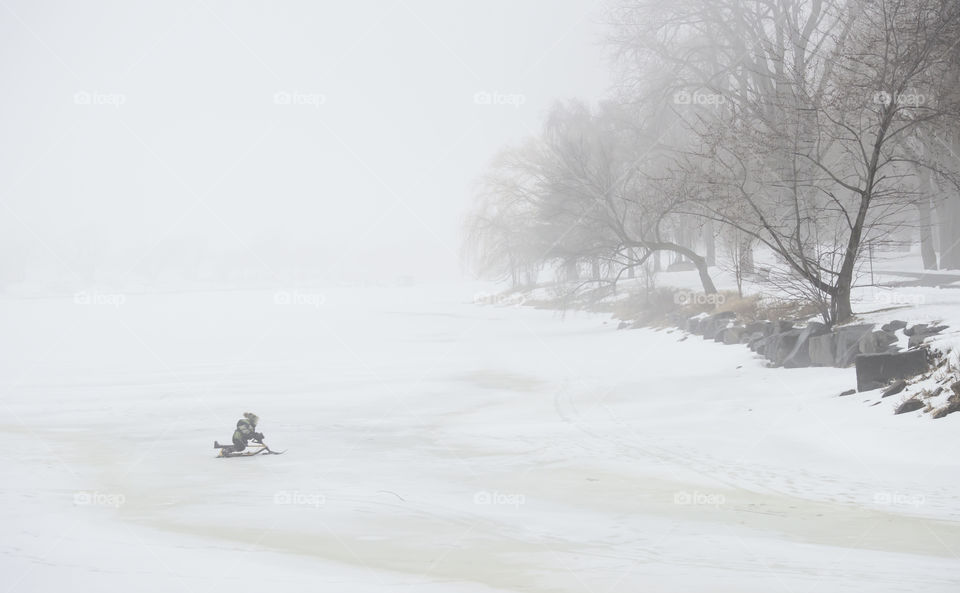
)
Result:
{"points": [[342, 133]]}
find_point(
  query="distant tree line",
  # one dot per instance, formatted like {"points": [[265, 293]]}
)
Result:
{"points": [[813, 129]]}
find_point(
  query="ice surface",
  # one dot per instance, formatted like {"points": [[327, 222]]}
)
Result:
{"points": [[436, 445]]}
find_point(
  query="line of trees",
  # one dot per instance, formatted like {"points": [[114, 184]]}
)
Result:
{"points": [[811, 128]]}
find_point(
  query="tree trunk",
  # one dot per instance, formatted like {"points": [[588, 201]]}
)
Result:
{"points": [[949, 225], [745, 253], [703, 269], [711, 242], [926, 235]]}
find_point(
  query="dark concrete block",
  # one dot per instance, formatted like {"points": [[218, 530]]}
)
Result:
{"points": [[876, 370]]}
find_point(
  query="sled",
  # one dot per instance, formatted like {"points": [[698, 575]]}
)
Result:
{"points": [[255, 449]]}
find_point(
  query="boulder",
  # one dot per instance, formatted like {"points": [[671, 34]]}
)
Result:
{"points": [[878, 341], [823, 350], [761, 327], [876, 370], [848, 392], [894, 389], [799, 355], [909, 405], [713, 325], [781, 325], [788, 349], [623, 325], [893, 326], [847, 345], [953, 405], [693, 325], [732, 335], [921, 332], [777, 347], [755, 342], [920, 327]]}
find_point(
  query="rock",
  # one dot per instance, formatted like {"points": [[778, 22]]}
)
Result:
{"points": [[799, 356], [623, 325], [893, 326], [780, 326], [711, 326], [921, 332], [761, 327], [877, 341], [910, 405], [822, 350], [848, 392], [953, 404], [757, 342], [894, 389], [732, 335], [914, 329], [876, 370], [693, 325], [779, 347], [847, 345], [788, 349]]}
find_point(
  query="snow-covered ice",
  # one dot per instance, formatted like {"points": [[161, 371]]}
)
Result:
{"points": [[437, 445]]}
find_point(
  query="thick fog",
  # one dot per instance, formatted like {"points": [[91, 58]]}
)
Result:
{"points": [[225, 142]]}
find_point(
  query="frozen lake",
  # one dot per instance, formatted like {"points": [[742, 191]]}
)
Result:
{"points": [[437, 445]]}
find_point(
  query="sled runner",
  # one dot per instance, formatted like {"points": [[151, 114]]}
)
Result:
{"points": [[255, 449]]}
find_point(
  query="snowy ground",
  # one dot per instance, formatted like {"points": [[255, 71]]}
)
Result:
{"points": [[435, 445]]}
